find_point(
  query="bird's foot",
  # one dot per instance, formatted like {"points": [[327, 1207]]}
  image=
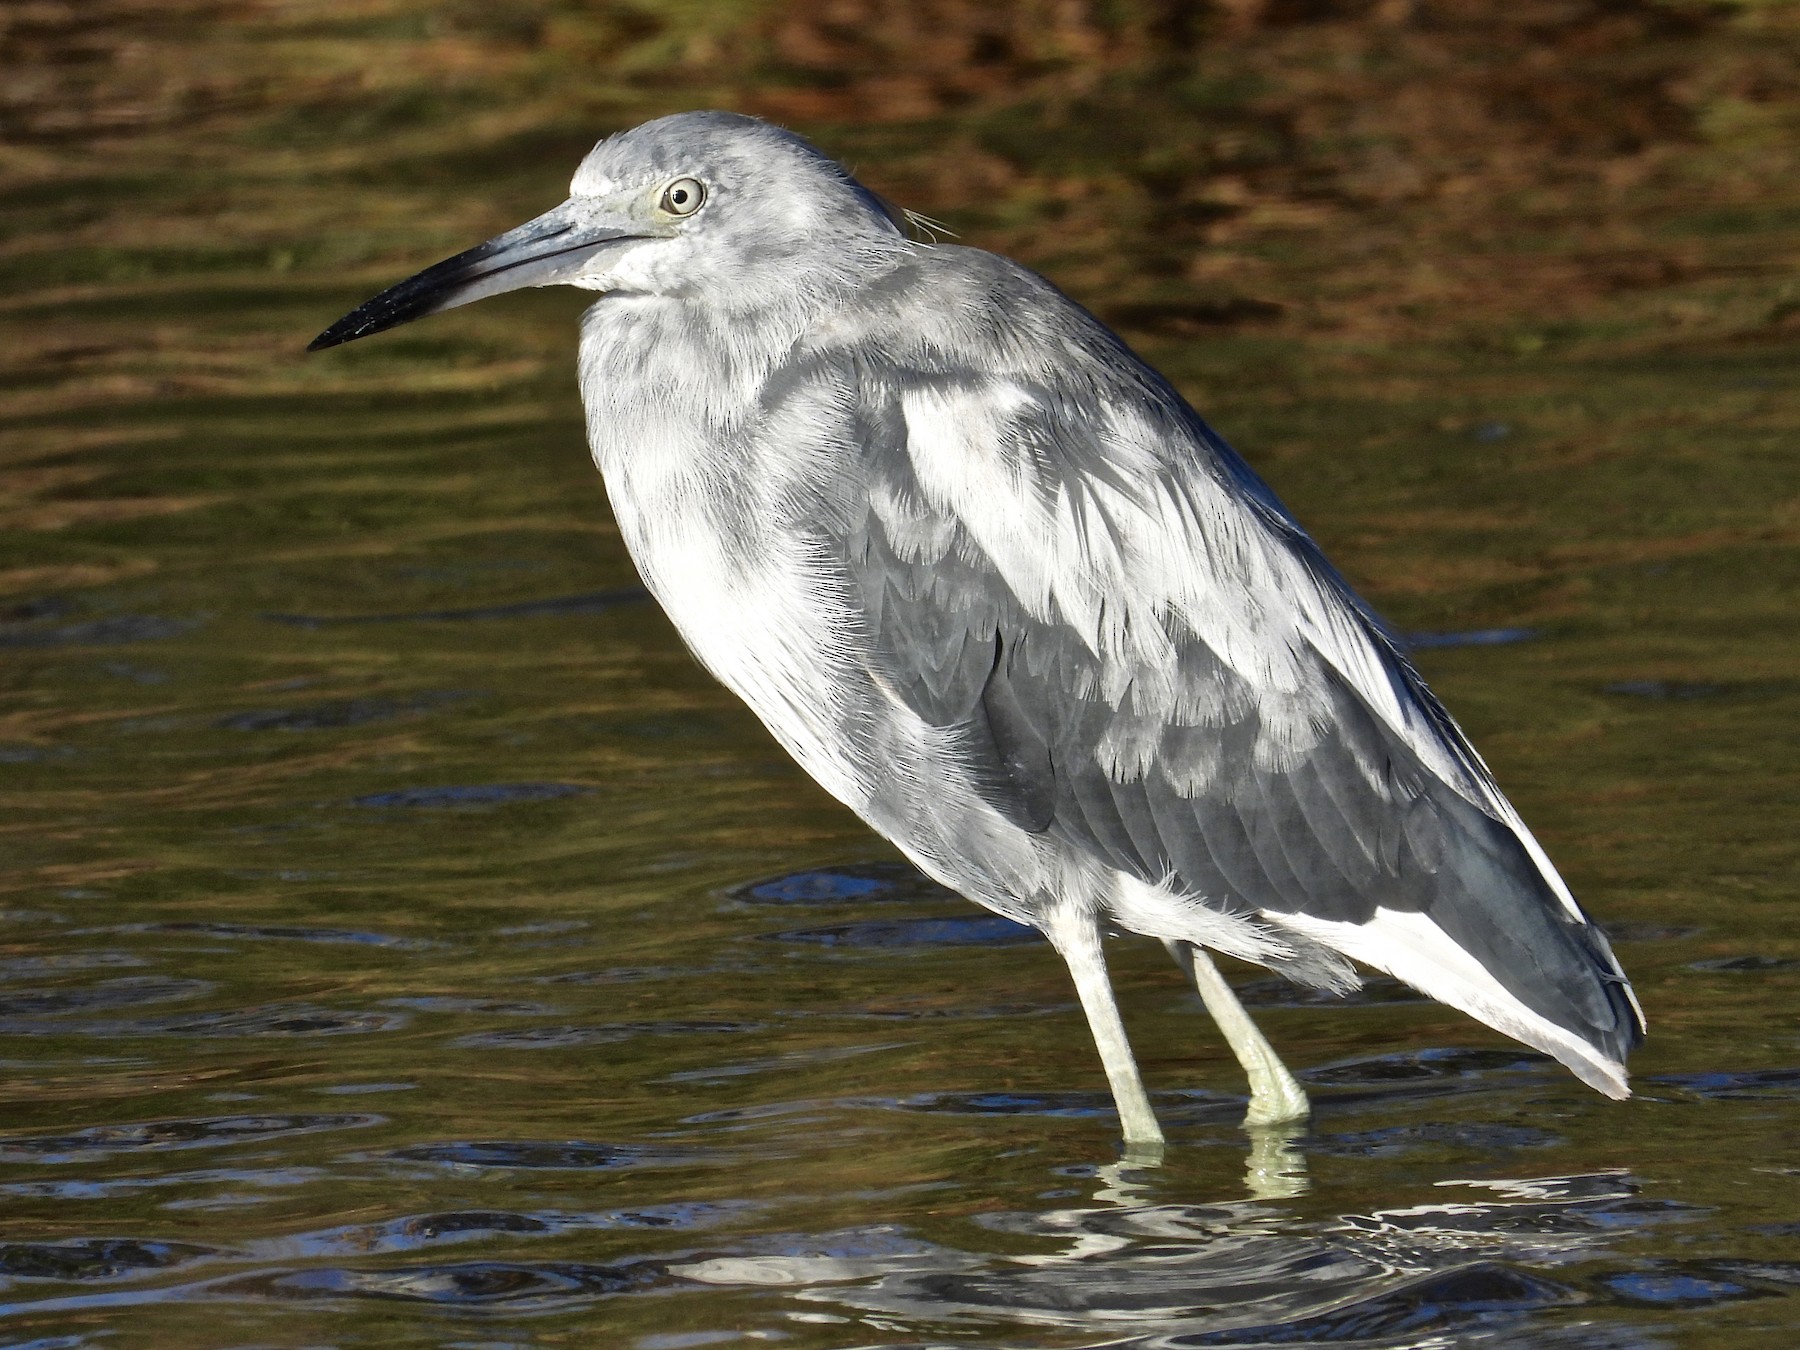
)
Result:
{"points": [[1276, 1097]]}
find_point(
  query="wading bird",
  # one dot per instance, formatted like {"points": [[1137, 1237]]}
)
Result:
{"points": [[1004, 594]]}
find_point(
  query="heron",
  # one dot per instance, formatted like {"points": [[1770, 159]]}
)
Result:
{"points": [[995, 585]]}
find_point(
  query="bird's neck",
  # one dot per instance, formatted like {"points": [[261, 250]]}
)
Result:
{"points": [[657, 366]]}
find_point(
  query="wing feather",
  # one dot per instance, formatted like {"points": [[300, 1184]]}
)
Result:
{"points": [[1145, 657]]}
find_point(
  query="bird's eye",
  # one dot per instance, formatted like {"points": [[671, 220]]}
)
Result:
{"points": [[683, 197]]}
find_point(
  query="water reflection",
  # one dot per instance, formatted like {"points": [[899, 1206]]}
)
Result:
{"points": [[1126, 1268], [1237, 1273], [1276, 1167]]}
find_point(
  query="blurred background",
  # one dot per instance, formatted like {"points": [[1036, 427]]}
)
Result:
{"points": [[403, 943]]}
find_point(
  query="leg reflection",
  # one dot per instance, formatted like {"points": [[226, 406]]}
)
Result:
{"points": [[1275, 1168], [1126, 1183]]}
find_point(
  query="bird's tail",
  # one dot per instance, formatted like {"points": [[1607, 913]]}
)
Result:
{"points": [[1495, 934]]}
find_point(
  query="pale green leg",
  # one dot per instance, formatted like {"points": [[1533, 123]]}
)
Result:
{"points": [[1076, 938], [1275, 1097]]}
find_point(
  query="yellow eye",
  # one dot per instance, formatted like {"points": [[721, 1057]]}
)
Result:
{"points": [[683, 197]]}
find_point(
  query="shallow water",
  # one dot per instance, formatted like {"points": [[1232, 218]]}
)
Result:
{"points": [[404, 944]]}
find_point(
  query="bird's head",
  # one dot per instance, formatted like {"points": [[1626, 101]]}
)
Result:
{"points": [[707, 204]]}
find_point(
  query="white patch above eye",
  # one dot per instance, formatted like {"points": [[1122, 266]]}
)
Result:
{"points": [[592, 183]]}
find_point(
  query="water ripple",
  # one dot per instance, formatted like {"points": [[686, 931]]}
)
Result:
{"points": [[281, 933], [1193, 1106], [961, 930], [125, 992], [106, 1188], [469, 796], [275, 1019], [534, 1154], [559, 1037], [588, 602], [1487, 1137], [414, 1232], [354, 712], [106, 632], [38, 967], [1479, 1295], [1472, 637], [99, 1141], [1738, 1085], [93, 1258], [850, 883], [466, 1283]]}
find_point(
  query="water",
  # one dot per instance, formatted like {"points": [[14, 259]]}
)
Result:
{"points": [[402, 943]]}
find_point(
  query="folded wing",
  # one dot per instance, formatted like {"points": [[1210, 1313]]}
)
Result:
{"points": [[1149, 660]]}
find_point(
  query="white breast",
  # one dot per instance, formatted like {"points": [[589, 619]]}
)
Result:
{"points": [[709, 489]]}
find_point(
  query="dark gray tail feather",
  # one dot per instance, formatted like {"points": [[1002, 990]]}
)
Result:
{"points": [[1485, 889], [1494, 902]]}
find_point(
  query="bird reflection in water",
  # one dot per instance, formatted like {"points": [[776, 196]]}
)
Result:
{"points": [[1274, 1167], [1160, 1276]]}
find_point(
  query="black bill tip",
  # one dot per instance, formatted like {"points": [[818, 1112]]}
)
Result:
{"points": [[431, 290], [335, 336], [393, 307], [346, 329], [443, 285], [538, 253]]}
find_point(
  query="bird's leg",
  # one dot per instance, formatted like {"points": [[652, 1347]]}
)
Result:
{"points": [[1076, 937], [1275, 1097]]}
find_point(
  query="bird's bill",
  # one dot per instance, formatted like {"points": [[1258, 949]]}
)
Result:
{"points": [[541, 252]]}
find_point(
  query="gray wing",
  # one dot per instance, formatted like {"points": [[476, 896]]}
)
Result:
{"points": [[1207, 703]]}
